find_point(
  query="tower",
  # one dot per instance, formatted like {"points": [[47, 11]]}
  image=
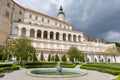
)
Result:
{"points": [[61, 15]]}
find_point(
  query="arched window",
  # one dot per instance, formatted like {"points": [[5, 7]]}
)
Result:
{"points": [[69, 37], [15, 31], [39, 34], [23, 32], [64, 37], [74, 38], [51, 35], [32, 33], [57, 36], [45, 34], [79, 38]]}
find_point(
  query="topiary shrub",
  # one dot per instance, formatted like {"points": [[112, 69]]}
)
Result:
{"points": [[56, 58]]}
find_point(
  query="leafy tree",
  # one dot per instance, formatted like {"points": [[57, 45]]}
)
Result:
{"points": [[52, 58], [64, 59], [49, 57], [41, 57], [56, 58], [21, 48], [74, 53]]}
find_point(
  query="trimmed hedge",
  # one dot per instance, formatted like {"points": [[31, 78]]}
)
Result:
{"points": [[8, 67], [47, 65], [115, 70]]}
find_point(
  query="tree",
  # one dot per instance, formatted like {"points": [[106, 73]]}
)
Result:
{"points": [[21, 48], [42, 57], [64, 59], [56, 58], [74, 53], [53, 58], [49, 57]]}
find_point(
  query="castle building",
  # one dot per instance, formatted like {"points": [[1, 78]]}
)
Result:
{"points": [[49, 34]]}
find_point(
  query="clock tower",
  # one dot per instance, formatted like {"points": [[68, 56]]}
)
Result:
{"points": [[61, 15]]}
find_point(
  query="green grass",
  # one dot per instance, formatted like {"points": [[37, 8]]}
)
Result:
{"points": [[118, 78], [110, 68]]}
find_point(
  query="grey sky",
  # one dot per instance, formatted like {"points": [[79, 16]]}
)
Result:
{"points": [[99, 18]]}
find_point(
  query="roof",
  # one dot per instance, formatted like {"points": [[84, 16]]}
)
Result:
{"points": [[91, 38], [39, 13]]}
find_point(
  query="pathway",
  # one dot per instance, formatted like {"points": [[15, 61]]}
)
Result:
{"points": [[91, 75]]}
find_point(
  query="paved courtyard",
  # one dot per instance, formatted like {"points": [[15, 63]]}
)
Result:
{"points": [[91, 75]]}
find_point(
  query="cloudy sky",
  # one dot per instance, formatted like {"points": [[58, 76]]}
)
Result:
{"points": [[99, 18]]}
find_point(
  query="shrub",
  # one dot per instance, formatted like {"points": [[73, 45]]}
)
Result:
{"points": [[42, 57], [49, 57], [56, 58], [53, 58], [64, 58]]}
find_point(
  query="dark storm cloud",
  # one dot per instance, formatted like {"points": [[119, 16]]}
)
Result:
{"points": [[99, 18], [95, 17]]}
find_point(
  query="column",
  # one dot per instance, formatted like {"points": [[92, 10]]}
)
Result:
{"points": [[42, 32], [35, 34], [54, 37], [48, 35], [19, 32], [28, 32]]}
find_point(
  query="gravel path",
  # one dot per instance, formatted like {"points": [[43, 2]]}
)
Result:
{"points": [[91, 75]]}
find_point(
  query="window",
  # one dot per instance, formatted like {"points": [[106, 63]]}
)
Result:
{"points": [[48, 21], [30, 16], [60, 25], [56, 23], [19, 20], [42, 19], [8, 4], [7, 14], [20, 12], [36, 17]]}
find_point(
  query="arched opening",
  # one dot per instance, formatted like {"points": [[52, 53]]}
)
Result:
{"points": [[64, 37], [51, 35], [79, 38], [23, 32], [39, 34], [57, 36], [15, 31], [74, 38], [69, 37], [32, 33], [45, 35], [109, 60], [95, 59]]}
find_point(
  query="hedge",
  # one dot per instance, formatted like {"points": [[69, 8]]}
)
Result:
{"points": [[115, 70], [8, 67], [47, 65]]}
